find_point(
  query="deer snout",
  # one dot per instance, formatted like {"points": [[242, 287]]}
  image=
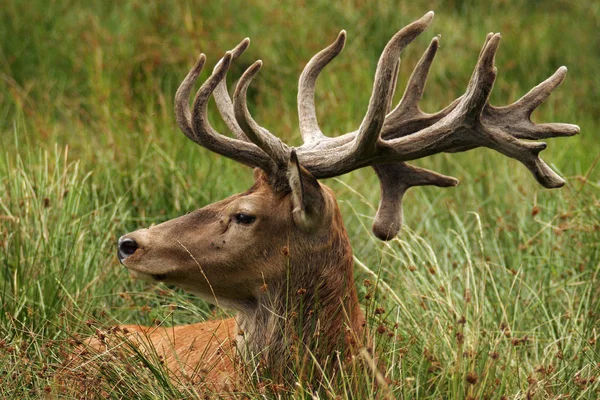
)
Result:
{"points": [[126, 247]]}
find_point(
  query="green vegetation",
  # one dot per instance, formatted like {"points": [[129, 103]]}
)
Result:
{"points": [[492, 288]]}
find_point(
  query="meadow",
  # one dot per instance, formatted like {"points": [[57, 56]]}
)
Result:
{"points": [[490, 291]]}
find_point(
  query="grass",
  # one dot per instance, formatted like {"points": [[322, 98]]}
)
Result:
{"points": [[491, 290]]}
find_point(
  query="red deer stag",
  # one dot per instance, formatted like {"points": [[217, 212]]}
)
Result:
{"points": [[279, 254]]}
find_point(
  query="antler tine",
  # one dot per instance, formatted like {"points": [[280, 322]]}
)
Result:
{"points": [[483, 79], [264, 139], [541, 92], [309, 126], [519, 112], [395, 179], [204, 134], [407, 117], [182, 99], [370, 128], [528, 154], [221, 95], [409, 104]]}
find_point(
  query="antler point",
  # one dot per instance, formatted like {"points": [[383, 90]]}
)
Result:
{"points": [[199, 63], [427, 18], [340, 41], [243, 45]]}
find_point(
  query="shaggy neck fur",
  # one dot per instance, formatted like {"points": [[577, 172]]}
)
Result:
{"points": [[310, 314]]}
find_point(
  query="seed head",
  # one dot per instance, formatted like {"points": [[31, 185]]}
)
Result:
{"points": [[472, 377]]}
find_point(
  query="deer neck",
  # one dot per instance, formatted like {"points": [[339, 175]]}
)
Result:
{"points": [[312, 311]]}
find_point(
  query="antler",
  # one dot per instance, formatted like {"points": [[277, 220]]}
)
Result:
{"points": [[264, 150], [407, 133], [384, 140], [396, 178]]}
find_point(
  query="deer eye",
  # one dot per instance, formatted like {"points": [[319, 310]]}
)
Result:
{"points": [[244, 219]]}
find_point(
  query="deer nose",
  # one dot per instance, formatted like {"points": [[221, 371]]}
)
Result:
{"points": [[127, 246]]}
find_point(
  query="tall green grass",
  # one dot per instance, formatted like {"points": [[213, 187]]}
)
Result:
{"points": [[491, 289]]}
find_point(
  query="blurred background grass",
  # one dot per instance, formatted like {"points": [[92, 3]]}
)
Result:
{"points": [[91, 151]]}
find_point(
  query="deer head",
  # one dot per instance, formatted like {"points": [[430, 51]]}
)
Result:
{"points": [[286, 231], [227, 252]]}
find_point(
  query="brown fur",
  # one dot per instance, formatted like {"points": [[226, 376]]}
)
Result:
{"points": [[292, 287]]}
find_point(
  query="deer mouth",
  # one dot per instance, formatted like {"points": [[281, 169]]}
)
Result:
{"points": [[159, 277], [148, 277]]}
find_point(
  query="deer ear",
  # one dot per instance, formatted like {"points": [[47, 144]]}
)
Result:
{"points": [[307, 196]]}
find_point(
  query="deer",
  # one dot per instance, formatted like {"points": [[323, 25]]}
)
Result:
{"points": [[278, 255]]}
